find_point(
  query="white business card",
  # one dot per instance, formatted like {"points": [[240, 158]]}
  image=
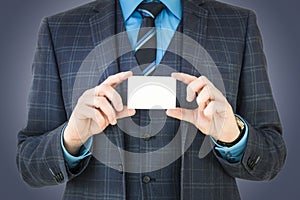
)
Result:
{"points": [[151, 92]]}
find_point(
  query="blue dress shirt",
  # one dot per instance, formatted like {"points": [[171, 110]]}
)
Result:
{"points": [[166, 22]]}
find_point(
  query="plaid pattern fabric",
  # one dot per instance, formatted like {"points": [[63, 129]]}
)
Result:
{"points": [[231, 37]]}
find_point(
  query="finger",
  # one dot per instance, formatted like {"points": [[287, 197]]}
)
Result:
{"points": [[198, 119], [185, 78], [216, 113], [107, 109], [194, 84], [204, 97], [118, 78], [213, 108], [125, 113], [111, 94], [112, 81], [87, 112], [201, 83], [102, 104], [182, 114], [88, 94], [195, 87]]}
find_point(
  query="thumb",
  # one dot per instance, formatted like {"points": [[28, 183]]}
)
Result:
{"points": [[125, 113]]}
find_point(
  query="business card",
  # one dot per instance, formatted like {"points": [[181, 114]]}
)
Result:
{"points": [[151, 92]]}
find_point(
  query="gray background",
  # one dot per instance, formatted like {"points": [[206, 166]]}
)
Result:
{"points": [[19, 22]]}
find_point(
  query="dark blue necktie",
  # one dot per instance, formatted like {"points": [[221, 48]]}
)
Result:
{"points": [[145, 49]]}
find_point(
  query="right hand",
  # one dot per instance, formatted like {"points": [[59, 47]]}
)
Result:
{"points": [[93, 112]]}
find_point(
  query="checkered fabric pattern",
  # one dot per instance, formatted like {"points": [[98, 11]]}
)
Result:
{"points": [[231, 37]]}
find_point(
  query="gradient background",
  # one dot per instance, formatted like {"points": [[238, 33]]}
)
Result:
{"points": [[19, 22]]}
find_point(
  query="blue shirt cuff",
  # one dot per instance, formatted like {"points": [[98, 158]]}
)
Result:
{"points": [[235, 153], [73, 161]]}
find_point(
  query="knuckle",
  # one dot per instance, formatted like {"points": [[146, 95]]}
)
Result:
{"points": [[85, 93], [81, 99], [97, 102], [209, 90], [110, 78], [106, 87], [203, 78], [98, 116], [101, 100], [102, 87], [97, 90]]}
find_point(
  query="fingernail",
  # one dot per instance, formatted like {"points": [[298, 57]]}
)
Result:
{"points": [[128, 73], [169, 111]]}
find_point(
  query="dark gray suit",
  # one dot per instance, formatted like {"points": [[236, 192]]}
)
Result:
{"points": [[231, 37]]}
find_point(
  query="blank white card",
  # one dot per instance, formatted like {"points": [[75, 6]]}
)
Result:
{"points": [[151, 92]]}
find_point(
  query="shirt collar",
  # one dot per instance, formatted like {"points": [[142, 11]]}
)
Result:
{"points": [[129, 6], [174, 6]]}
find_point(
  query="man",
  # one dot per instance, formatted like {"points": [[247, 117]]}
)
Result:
{"points": [[54, 147]]}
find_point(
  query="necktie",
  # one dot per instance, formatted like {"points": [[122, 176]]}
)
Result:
{"points": [[145, 55]]}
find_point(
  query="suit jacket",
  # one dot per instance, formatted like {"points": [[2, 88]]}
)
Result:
{"points": [[231, 37]]}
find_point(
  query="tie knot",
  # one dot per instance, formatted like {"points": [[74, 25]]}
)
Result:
{"points": [[151, 9]]}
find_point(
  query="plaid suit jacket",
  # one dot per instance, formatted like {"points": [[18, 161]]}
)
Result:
{"points": [[231, 37]]}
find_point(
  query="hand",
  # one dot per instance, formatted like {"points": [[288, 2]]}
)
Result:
{"points": [[93, 112], [214, 115]]}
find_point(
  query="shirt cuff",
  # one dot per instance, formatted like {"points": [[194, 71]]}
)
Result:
{"points": [[235, 153], [73, 161]]}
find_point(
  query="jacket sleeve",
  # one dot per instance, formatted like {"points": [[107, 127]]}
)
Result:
{"points": [[265, 151], [39, 157]]}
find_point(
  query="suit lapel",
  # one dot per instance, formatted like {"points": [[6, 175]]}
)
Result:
{"points": [[194, 26], [102, 23], [108, 21], [195, 21]]}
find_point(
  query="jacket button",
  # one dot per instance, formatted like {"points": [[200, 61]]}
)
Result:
{"points": [[146, 179], [147, 137]]}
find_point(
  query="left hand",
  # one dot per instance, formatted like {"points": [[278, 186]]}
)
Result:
{"points": [[214, 115]]}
